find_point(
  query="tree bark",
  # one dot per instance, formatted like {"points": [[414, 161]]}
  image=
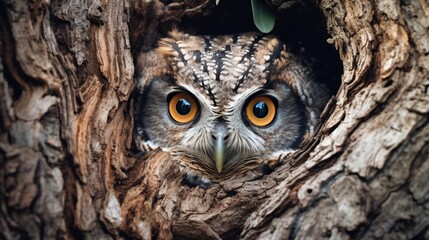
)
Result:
{"points": [[67, 165]]}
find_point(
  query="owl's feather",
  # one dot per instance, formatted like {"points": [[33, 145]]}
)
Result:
{"points": [[223, 73]]}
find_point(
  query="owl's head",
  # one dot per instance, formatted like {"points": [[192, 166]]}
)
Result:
{"points": [[224, 104]]}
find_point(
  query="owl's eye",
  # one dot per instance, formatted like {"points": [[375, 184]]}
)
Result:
{"points": [[182, 107], [261, 111]]}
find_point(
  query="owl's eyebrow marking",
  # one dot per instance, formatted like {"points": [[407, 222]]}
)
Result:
{"points": [[176, 47], [274, 55], [200, 81], [243, 78], [211, 95], [218, 58], [251, 49]]}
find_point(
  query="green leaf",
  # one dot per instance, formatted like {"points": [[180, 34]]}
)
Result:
{"points": [[263, 18]]}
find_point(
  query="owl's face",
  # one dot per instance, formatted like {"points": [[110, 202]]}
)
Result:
{"points": [[222, 104]]}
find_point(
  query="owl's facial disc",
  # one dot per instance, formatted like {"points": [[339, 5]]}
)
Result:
{"points": [[259, 110], [224, 104]]}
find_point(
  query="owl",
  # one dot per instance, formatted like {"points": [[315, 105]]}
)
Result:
{"points": [[224, 105]]}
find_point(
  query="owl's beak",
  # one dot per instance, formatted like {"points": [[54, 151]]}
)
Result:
{"points": [[219, 153], [220, 133]]}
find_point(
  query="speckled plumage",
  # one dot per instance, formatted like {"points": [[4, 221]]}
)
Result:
{"points": [[223, 73]]}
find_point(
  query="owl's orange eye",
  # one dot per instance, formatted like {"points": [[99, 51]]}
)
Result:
{"points": [[182, 107], [261, 111]]}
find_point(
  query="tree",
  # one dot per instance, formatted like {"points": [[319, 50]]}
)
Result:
{"points": [[67, 166]]}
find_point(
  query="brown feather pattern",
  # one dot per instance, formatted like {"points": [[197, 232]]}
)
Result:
{"points": [[223, 72]]}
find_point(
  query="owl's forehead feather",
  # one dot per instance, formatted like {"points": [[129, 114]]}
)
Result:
{"points": [[240, 45], [223, 65]]}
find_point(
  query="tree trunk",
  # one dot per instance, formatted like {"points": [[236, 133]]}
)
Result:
{"points": [[67, 165]]}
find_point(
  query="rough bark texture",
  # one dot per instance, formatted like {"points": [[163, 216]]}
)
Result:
{"points": [[67, 169]]}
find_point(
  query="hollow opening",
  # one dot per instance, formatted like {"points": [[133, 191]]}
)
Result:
{"points": [[301, 26]]}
